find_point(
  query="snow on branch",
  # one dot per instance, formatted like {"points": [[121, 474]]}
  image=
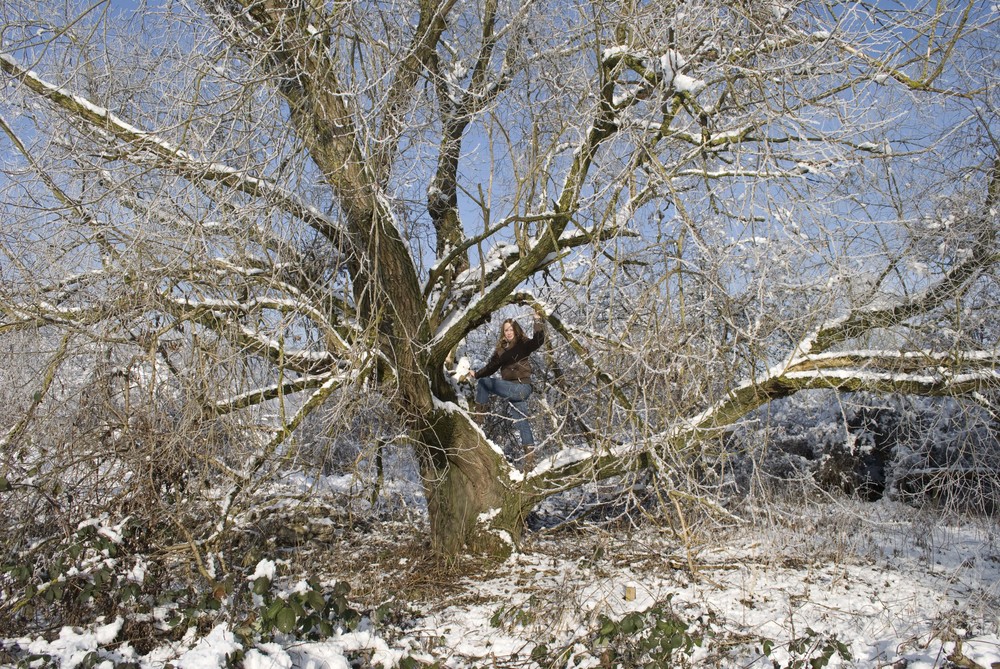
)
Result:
{"points": [[214, 315], [918, 373], [667, 68], [935, 383], [265, 453], [21, 316], [861, 321], [963, 374], [65, 287], [181, 161], [261, 395], [952, 285], [913, 372], [500, 261], [257, 302], [437, 271], [298, 302], [573, 466]]}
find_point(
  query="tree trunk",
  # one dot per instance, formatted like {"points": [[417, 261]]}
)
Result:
{"points": [[473, 504]]}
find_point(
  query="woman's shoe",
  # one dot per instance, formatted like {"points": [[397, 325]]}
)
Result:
{"points": [[528, 462]]}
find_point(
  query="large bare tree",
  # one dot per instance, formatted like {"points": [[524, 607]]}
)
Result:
{"points": [[715, 203]]}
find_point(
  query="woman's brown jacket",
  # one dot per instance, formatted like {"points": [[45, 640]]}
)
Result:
{"points": [[513, 362]]}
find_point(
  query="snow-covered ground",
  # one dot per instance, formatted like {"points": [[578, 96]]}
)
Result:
{"points": [[843, 584]]}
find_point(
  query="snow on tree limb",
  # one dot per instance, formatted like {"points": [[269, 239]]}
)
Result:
{"points": [[266, 451], [177, 159], [43, 312], [491, 280], [920, 372], [813, 366], [274, 391], [956, 281], [218, 319]]}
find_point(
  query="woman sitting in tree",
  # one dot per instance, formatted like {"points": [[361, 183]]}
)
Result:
{"points": [[514, 385]]}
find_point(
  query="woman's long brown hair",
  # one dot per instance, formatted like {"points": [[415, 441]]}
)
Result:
{"points": [[519, 335]]}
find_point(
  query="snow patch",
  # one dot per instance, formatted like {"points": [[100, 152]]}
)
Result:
{"points": [[72, 645], [486, 516], [266, 568], [671, 63], [462, 368], [210, 651], [267, 656]]}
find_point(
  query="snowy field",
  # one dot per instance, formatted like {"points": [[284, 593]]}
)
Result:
{"points": [[842, 584]]}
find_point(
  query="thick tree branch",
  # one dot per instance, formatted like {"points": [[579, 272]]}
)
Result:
{"points": [[261, 395], [386, 288], [172, 157], [946, 374], [421, 53], [982, 256]]}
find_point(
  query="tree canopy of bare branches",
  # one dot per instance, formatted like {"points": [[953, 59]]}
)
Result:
{"points": [[240, 210]]}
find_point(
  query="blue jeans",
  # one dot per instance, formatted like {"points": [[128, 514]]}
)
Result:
{"points": [[515, 393]]}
